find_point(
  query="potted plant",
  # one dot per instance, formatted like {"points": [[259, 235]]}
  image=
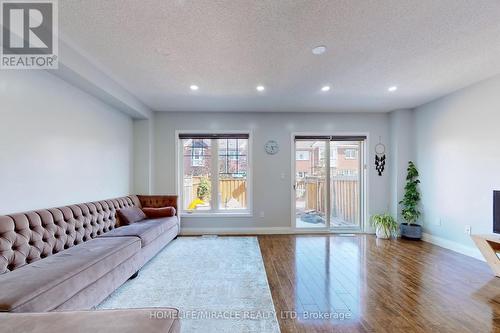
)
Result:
{"points": [[203, 190], [410, 210], [385, 225], [202, 195]]}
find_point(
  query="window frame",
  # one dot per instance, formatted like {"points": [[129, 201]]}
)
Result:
{"points": [[215, 209]]}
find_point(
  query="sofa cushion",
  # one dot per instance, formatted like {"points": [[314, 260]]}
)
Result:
{"points": [[47, 283], [147, 230], [154, 213], [130, 215], [150, 320]]}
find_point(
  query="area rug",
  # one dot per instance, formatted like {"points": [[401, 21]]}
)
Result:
{"points": [[218, 284]]}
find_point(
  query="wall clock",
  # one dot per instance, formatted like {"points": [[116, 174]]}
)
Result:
{"points": [[272, 147]]}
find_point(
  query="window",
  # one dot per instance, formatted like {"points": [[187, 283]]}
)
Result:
{"points": [[197, 155], [350, 154], [197, 173], [214, 173], [302, 155]]}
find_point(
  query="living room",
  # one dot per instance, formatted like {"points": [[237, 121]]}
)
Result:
{"points": [[269, 166]]}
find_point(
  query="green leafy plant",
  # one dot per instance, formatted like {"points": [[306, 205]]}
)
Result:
{"points": [[411, 199], [203, 190], [386, 223]]}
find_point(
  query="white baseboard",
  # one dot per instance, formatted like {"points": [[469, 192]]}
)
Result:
{"points": [[248, 231], [454, 246], [234, 231]]}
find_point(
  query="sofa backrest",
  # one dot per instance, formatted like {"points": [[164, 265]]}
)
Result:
{"points": [[31, 236], [156, 201]]}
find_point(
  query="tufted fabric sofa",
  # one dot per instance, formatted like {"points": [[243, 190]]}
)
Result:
{"points": [[148, 320], [73, 257]]}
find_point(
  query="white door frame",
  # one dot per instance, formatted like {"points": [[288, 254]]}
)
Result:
{"points": [[363, 225]]}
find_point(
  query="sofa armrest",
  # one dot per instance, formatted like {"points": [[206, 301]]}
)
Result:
{"points": [[158, 201]]}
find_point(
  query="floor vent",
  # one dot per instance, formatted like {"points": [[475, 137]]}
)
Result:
{"points": [[209, 236]]}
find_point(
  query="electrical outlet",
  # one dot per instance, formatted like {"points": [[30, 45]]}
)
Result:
{"points": [[467, 229], [262, 214]]}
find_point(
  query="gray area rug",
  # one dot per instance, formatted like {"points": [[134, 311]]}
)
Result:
{"points": [[218, 284]]}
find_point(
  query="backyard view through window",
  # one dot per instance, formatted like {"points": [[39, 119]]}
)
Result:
{"points": [[197, 173], [214, 172], [233, 173]]}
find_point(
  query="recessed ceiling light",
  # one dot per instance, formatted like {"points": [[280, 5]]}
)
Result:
{"points": [[260, 88], [392, 89], [319, 50], [194, 87], [326, 88]]}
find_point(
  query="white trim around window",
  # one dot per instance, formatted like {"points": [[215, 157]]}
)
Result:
{"points": [[215, 211]]}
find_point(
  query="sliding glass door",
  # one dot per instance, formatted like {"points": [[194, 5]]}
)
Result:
{"points": [[329, 182], [311, 184], [345, 184]]}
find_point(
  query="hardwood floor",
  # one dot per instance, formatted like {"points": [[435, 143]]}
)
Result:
{"points": [[377, 286]]}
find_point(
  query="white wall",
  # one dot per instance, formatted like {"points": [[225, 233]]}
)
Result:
{"points": [[458, 155], [402, 142], [271, 193], [59, 145], [78, 68], [143, 156]]}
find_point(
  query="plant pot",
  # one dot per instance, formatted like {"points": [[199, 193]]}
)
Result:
{"points": [[382, 233], [411, 231]]}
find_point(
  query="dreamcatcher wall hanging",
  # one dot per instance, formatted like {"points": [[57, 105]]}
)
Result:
{"points": [[380, 157]]}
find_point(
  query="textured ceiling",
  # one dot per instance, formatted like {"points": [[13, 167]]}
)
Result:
{"points": [[157, 48]]}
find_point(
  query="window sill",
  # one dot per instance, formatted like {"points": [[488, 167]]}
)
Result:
{"points": [[218, 214]]}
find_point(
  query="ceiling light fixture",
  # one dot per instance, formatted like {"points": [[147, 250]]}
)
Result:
{"points": [[260, 88], [318, 50], [194, 87], [325, 88], [392, 89]]}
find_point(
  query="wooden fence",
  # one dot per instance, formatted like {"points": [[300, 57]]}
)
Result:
{"points": [[228, 188], [344, 192]]}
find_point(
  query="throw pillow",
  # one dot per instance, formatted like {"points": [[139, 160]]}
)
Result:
{"points": [[155, 213], [130, 215]]}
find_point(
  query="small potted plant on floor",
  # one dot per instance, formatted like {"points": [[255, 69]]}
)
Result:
{"points": [[385, 225], [410, 210]]}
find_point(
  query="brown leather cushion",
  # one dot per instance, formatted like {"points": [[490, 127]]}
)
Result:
{"points": [[146, 320], [154, 213], [157, 201], [46, 284], [130, 215], [147, 230]]}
